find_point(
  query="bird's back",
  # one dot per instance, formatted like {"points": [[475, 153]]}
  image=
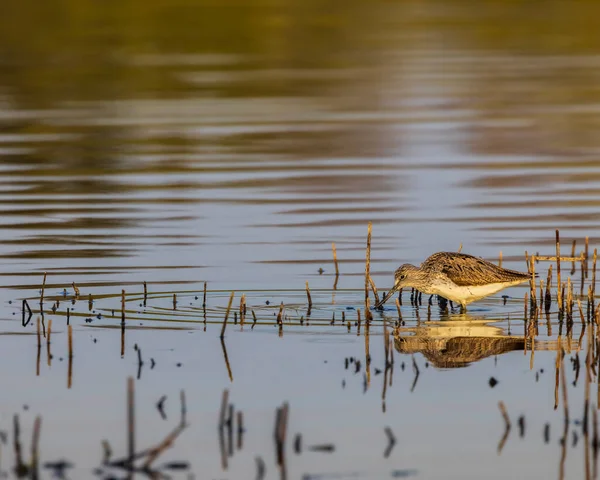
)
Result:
{"points": [[466, 270]]}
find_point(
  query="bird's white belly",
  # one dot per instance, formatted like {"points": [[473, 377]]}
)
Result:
{"points": [[462, 294]]}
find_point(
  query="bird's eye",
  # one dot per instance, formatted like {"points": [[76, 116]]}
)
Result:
{"points": [[403, 276]]}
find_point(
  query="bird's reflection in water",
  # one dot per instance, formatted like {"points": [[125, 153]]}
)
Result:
{"points": [[461, 340]]}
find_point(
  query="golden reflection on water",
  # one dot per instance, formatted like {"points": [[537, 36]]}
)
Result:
{"points": [[460, 342]]}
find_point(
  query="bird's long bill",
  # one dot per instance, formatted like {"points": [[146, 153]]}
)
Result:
{"points": [[388, 295]]}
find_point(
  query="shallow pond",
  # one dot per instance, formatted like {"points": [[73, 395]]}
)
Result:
{"points": [[179, 144]]}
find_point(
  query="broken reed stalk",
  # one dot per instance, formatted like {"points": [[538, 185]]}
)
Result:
{"points": [[227, 315], [130, 421], [242, 309], [280, 314], [42, 293], [374, 288], [586, 252], [308, 295], [532, 286], [204, 297], [123, 307], [145, 293], [573, 246], [368, 315], [581, 312], [75, 290], [500, 259], [335, 260], [253, 318], [460, 248], [559, 294], [174, 301], [399, 311], [548, 295], [569, 296]]}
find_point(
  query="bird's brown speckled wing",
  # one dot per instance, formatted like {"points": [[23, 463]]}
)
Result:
{"points": [[465, 269]]}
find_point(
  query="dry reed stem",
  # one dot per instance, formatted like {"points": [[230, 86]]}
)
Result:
{"points": [[541, 294], [500, 259], [554, 258], [253, 318], [460, 248], [227, 314], [242, 309], [70, 366], [399, 311], [145, 293], [280, 314], [335, 260], [123, 307], [587, 246], [374, 288], [308, 295], [76, 290], [42, 294], [532, 280], [559, 297], [548, 299], [368, 315], [581, 312], [204, 297], [573, 246], [226, 358]]}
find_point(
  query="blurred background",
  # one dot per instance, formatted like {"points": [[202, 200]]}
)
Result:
{"points": [[138, 136]]}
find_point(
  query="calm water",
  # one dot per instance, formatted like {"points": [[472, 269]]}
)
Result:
{"points": [[231, 143]]}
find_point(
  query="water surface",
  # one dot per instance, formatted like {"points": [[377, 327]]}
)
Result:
{"points": [[232, 143]]}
